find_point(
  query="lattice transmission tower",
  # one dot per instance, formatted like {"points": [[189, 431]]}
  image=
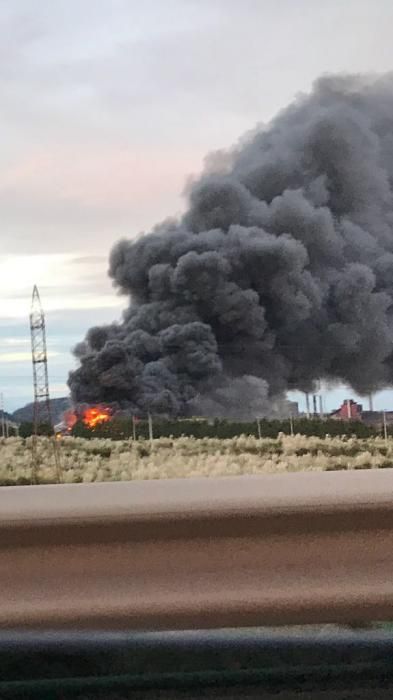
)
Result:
{"points": [[42, 414]]}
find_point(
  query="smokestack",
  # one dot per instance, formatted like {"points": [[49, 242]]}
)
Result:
{"points": [[269, 255], [370, 402], [348, 402], [314, 401], [385, 429], [307, 405], [321, 406], [150, 424]]}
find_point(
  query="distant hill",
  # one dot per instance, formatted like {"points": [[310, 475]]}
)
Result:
{"points": [[7, 416], [58, 406]]}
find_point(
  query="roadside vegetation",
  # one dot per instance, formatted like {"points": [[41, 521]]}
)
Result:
{"points": [[104, 459]]}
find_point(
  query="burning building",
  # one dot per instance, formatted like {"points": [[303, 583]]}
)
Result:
{"points": [[91, 416]]}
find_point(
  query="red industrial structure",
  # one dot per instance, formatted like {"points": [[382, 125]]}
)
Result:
{"points": [[349, 410]]}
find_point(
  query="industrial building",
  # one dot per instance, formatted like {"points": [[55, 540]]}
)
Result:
{"points": [[351, 410]]}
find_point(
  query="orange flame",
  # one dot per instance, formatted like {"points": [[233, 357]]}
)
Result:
{"points": [[70, 419], [95, 415], [92, 416]]}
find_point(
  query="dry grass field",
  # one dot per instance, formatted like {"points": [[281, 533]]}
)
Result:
{"points": [[85, 460]]}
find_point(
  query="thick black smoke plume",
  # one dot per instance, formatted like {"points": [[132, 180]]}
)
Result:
{"points": [[279, 274]]}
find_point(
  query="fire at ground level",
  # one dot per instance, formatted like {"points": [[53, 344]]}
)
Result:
{"points": [[96, 415]]}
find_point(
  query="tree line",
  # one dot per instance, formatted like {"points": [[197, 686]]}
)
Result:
{"points": [[124, 428]]}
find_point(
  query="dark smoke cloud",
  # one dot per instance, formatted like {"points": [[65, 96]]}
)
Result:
{"points": [[279, 274]]}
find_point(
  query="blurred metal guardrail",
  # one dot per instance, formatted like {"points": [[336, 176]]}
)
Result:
{"points": [[198, 553]]}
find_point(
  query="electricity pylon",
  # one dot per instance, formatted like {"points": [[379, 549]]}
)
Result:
{"points": [[42, 410]]}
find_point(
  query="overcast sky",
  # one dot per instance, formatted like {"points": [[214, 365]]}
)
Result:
{"points": [[107, 107]]}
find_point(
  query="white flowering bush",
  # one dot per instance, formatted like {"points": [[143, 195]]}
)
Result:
{"points": [[99, 459]]}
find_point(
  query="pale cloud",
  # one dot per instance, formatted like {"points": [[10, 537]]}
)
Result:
{"points": [[58, 389], [87, 197], [62, 284], [14, 342], [109, 105], [7, 357]]}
